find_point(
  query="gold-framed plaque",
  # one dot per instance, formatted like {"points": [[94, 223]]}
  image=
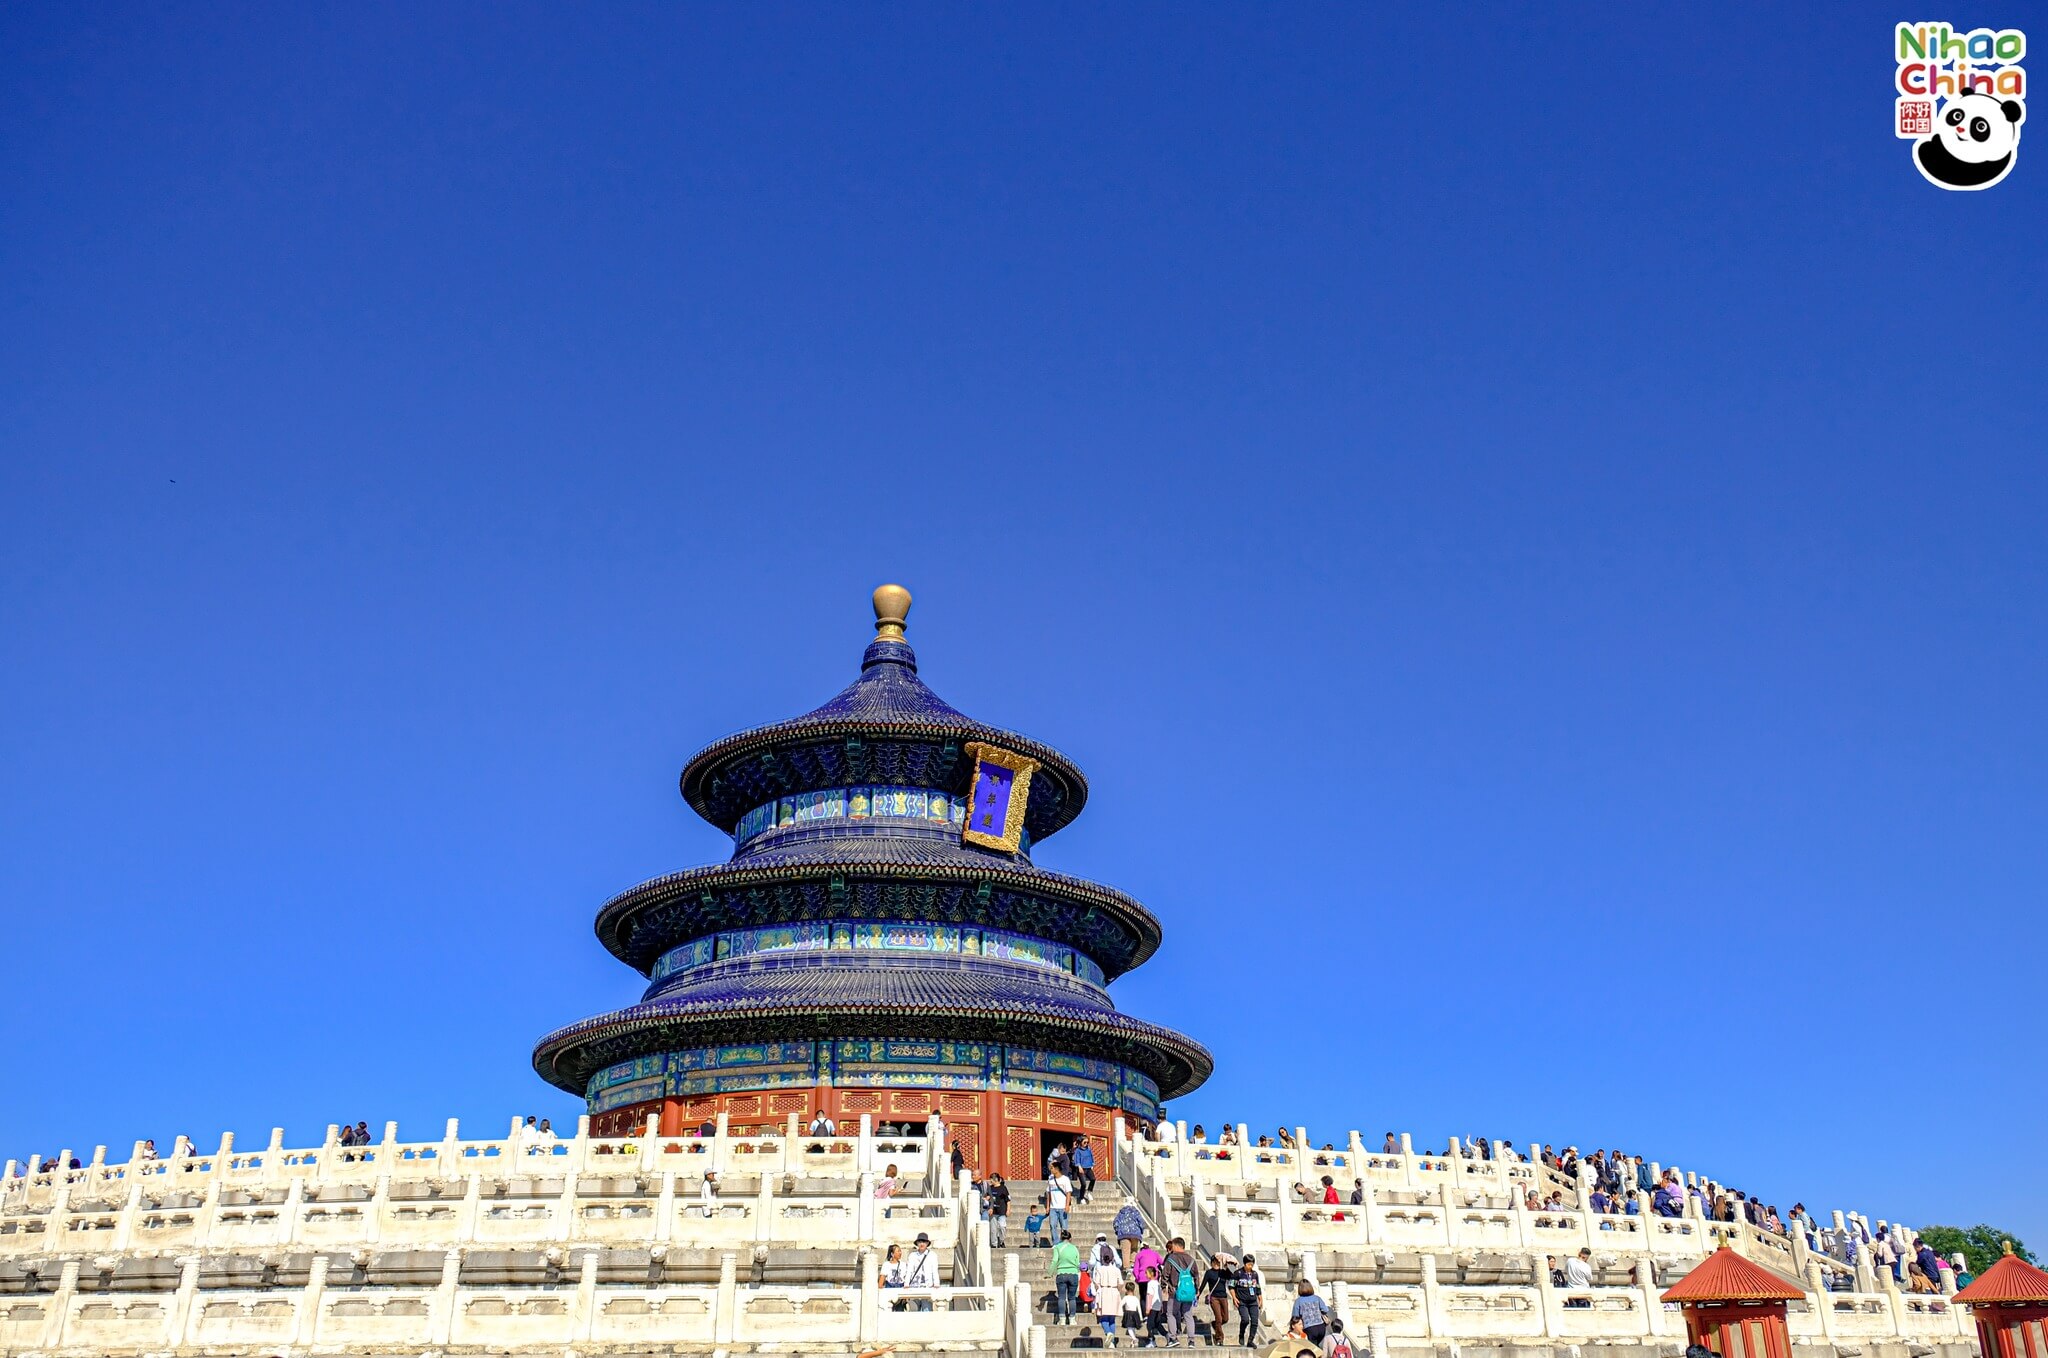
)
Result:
{"points": [[997, 797]]}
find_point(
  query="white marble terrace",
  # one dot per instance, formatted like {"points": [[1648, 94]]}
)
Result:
{"points": [[595, 1246]]}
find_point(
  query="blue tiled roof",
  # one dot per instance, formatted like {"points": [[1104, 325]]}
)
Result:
{"points": [[869, 996], [885, 727], [1109, 926]]}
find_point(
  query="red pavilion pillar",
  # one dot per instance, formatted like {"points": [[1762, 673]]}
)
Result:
{"points": [[1736, 1307]]}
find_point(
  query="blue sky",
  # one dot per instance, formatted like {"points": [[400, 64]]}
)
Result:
{"points": [[1533, 528]]}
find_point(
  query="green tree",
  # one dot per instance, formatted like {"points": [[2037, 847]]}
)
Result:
{"points": [[1981, 1244]]}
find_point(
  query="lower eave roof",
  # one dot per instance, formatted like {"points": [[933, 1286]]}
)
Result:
{"points": [[876, 998]]}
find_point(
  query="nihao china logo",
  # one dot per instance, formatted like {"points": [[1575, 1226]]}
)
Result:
{"points": [[1961, 99]]}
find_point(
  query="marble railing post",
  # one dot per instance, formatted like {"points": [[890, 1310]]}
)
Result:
{"points": [[586, 1297], [273, 1157], [472, 1207], [570, 1224], [442, 1314], [1824, 1309], [1895, 1301], [864, 1206], [1546, 1297], [376, 1207], [60, 1203], [727, 1312], [1408, 1159], [450, 1153], [869, 1321], [60, 1304], [1376, 1341], [124, 1226], [665, 1209], [293, 1213], [1433, 1311], [1304, 1163], [1354, 1148], [178, 1332], [864, 1145], [307, 1322], [1653, 1308], [764, 1208], [209, 1210]]}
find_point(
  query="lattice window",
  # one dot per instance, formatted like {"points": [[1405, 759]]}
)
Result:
{"points": [[1020, 1153]]}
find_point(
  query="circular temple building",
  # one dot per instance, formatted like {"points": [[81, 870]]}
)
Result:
{"points": [[881, 941]]}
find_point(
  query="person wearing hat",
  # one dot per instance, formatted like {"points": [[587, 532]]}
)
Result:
{"points": [[920, 1271]]}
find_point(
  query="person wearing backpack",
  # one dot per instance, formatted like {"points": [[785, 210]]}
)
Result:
{"points": [[1336, 1344], [1183, 1285]]}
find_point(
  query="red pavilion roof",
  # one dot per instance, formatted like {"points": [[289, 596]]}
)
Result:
{"points": [[1727, 1276], [2010, 1279]]}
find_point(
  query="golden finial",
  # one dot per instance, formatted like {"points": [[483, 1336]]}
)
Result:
{"points": [[2007, 1244], [892, 606]]}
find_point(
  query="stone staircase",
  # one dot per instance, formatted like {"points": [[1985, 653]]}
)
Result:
{"points": [[1085, 1222]]}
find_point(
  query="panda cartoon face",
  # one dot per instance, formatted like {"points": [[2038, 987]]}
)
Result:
{"points": [[1976, 139]]}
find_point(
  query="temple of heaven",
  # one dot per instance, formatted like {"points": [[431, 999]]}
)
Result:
{"points": [[881, 941]]}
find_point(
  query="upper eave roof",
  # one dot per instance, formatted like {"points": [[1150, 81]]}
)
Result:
{"points": [[885, 726]]}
